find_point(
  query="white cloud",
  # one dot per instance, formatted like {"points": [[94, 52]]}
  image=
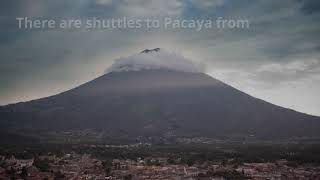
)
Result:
{"points": [[154, 60]]}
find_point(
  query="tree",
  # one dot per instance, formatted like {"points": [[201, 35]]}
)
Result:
{"points": [[59, 176], [43, 165], [127, 177], [24, 172]]}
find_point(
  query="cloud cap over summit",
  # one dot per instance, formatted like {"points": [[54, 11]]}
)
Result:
{"points": [[154, 59]]}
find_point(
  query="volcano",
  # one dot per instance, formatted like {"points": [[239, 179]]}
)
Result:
{"points": [[140, 96]]}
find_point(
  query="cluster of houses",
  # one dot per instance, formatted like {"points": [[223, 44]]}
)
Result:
{"points": [[78, 167]]}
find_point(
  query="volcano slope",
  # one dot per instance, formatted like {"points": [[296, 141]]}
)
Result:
{"points": [[155, 102]]}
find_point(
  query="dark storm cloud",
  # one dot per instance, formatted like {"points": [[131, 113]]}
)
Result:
{"points": [[310, 6]]}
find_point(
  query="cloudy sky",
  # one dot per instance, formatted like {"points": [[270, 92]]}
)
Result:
{"points": [[276, 59]]}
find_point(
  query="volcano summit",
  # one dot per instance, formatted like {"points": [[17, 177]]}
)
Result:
{"points": [[155, 93], [154, 59]]}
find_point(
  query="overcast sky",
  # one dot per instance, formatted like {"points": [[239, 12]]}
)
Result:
{"points": [[276, 59]]}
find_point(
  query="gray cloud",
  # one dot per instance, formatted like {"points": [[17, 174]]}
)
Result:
{"points": [[310, 6], [291, 72], [274, 74]]}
